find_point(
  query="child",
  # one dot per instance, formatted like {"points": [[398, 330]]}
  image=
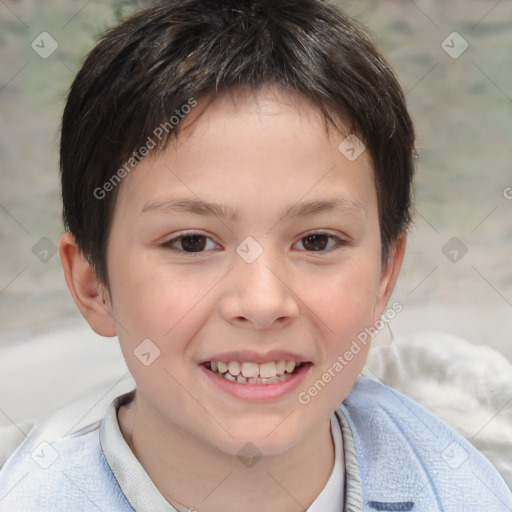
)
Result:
{"points": [[236, 181]]}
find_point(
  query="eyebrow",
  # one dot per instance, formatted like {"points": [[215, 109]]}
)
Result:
{"points": [[199, 207]]}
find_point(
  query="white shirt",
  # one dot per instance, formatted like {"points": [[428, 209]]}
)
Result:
{"points": [[332, 497]]}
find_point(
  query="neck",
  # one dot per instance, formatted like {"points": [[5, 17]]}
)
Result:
{"points": [[192, 474]]}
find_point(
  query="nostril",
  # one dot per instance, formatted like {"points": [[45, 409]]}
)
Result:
{"points": [[241, 321]]}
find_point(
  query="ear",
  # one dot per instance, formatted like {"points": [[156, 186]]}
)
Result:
{"points": [[389, 275], [89, 297]]}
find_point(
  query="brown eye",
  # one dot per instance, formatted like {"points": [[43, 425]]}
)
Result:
{"points": [[193, 243], [315, 242], [321, 242]]}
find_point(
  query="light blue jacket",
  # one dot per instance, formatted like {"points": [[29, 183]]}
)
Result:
{"points": [[399, 457]]}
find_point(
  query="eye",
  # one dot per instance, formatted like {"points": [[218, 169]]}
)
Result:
{"points": [[193, 242], [321, 242]]}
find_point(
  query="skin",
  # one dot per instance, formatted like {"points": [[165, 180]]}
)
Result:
{"points": [[259, 154]]}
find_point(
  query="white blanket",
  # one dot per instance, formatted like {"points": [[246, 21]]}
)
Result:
{"points": [[468, 386]]}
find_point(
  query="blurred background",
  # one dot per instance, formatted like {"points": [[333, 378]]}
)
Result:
{"points": [[454, 61]]}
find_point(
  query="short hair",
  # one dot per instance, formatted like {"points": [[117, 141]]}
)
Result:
{"points": [[146, 69]]}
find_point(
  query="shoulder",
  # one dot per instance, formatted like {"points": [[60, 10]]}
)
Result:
{"points": [[406, 455], [65, 473]]}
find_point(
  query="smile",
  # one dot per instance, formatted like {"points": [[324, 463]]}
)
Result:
{"points": [[242, 372]]}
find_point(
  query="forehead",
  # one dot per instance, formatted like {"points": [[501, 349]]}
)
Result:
{"points": [[269, 104], [243, 146]]}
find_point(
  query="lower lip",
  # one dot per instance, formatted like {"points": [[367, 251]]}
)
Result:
{"points": [[258, 392]]}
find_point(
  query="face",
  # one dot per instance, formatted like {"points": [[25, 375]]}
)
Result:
{"points": [[251, 242]]}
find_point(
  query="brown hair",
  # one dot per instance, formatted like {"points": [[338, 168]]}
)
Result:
{"points": [[144, 70]]}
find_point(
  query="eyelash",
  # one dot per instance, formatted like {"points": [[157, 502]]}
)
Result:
{"points": [[339, 242]]}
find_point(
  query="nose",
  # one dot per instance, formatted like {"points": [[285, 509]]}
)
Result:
{"points": [[260, 295]]}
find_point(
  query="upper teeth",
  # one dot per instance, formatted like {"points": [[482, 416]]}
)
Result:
{"points": [[248, 369]]}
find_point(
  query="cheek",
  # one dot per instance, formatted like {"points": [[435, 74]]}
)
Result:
{"points": [[346, 309], [158, 301], [347, 301]]}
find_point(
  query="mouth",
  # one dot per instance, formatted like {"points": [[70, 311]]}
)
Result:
{"points": [[246, 372]]}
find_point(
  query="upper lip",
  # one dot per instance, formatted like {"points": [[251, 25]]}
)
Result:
{"points": [[256, 357]]}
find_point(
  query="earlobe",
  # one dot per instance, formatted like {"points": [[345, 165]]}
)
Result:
{"points": [[84, 287], [390, 273]]}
